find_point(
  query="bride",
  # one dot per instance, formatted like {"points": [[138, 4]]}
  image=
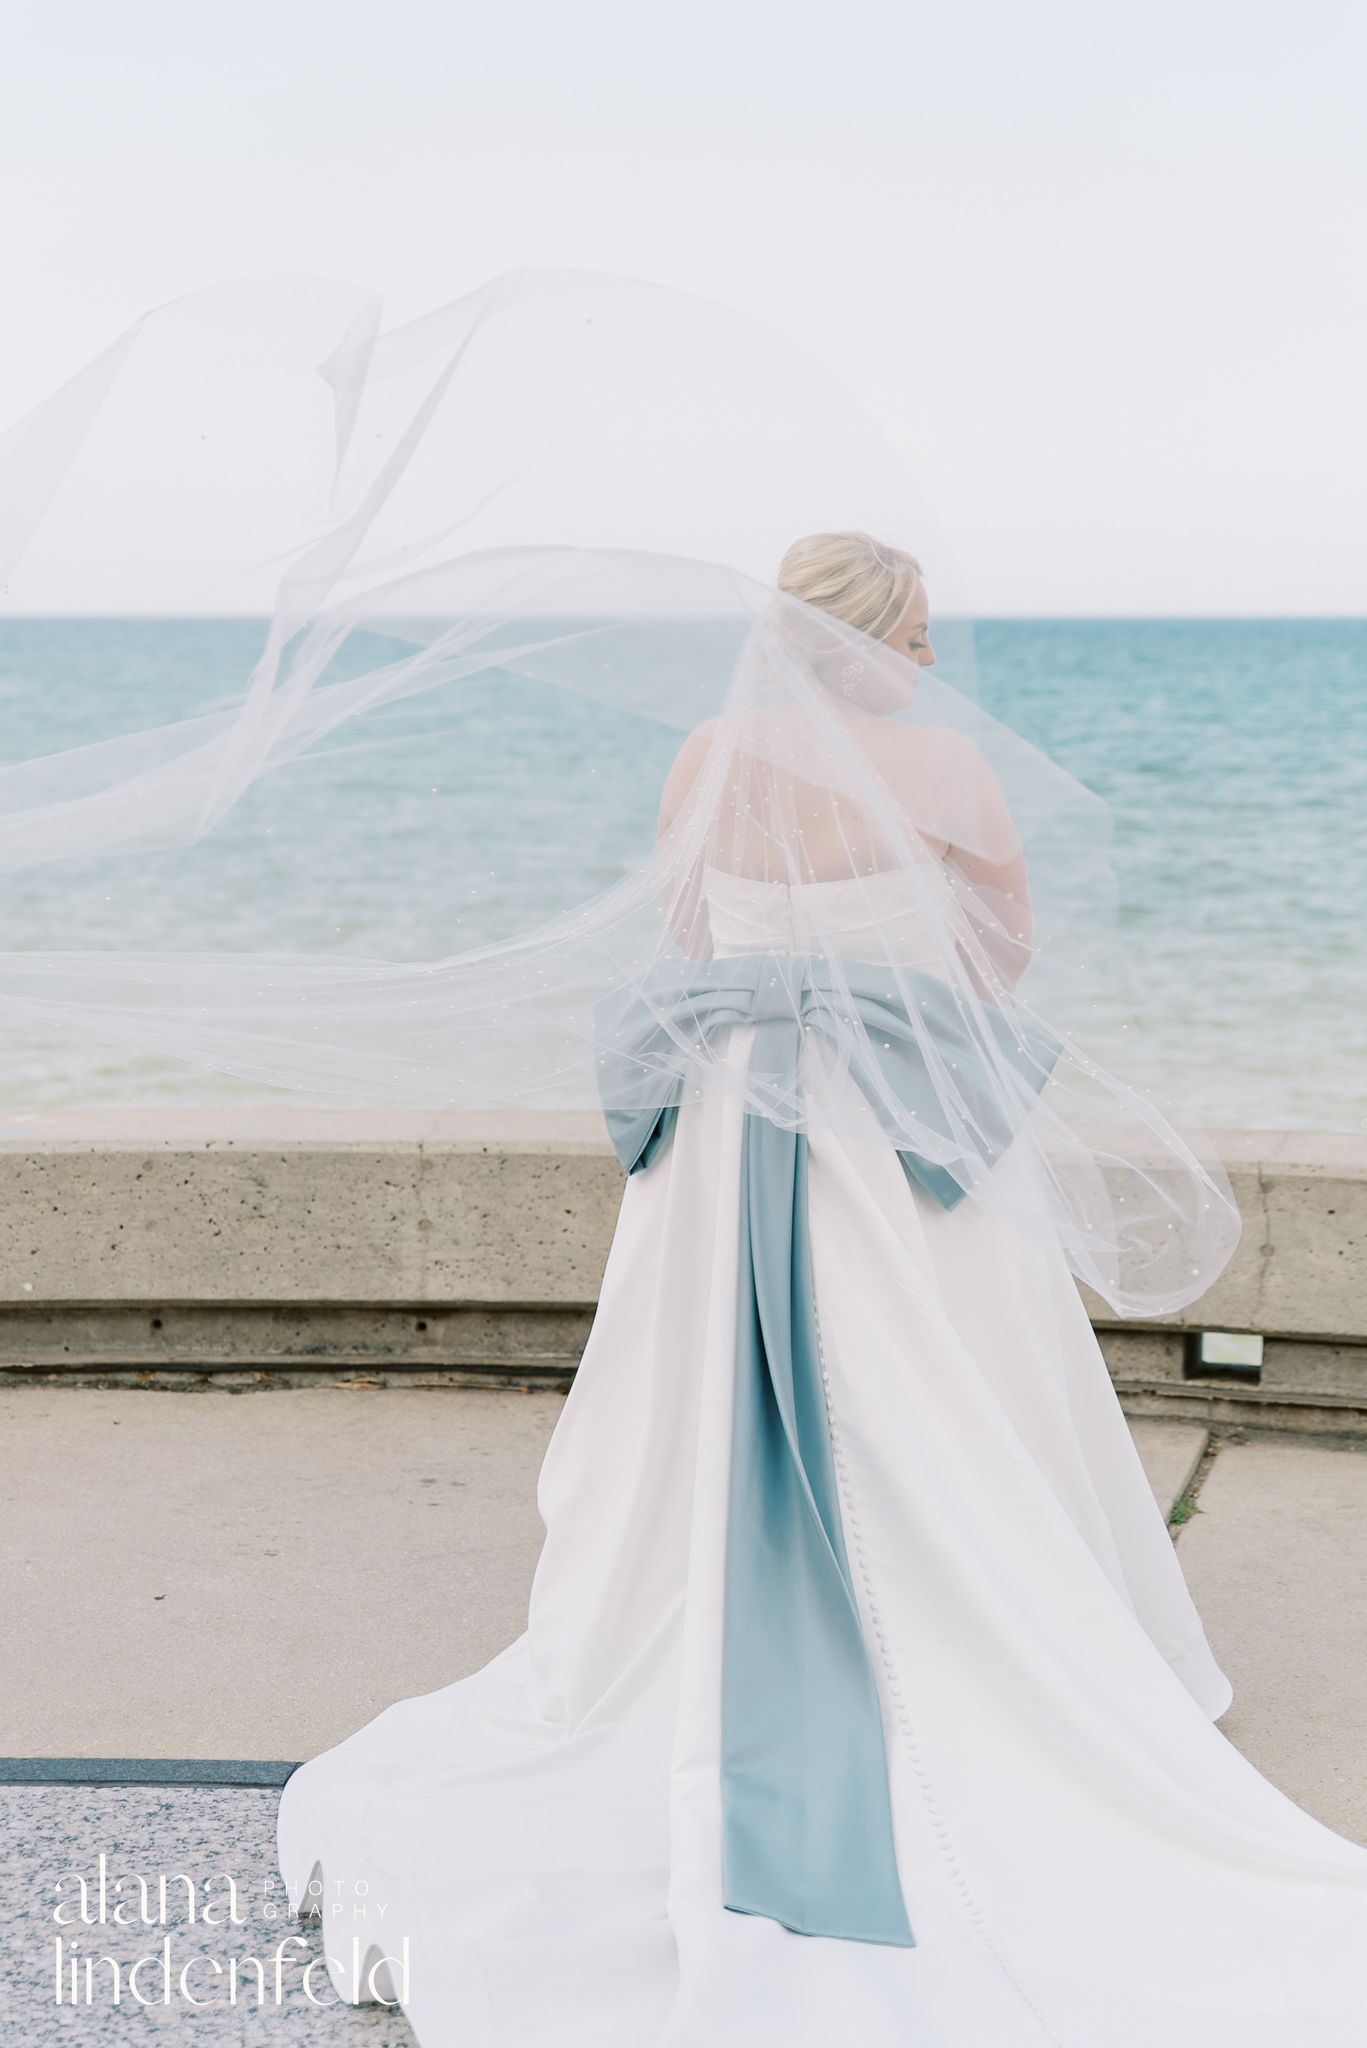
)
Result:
{"points": [[861, 1697]]}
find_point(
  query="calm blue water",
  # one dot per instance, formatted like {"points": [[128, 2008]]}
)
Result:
{"points": [[1233, 756]]}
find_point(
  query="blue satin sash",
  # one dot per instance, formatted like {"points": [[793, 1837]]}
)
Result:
{"points": [[806, 1816]]}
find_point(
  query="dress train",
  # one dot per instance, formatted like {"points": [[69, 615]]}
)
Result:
{"points": [[1085, 1859]]}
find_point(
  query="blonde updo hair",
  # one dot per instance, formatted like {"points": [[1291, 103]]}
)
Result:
{"points": [[853, 577]]}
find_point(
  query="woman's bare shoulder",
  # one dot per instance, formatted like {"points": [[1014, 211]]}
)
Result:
{"points": [[937, 747], [693, 752], [684, 773]]}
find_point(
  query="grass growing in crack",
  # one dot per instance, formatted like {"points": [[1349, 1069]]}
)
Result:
{"points": [[1183, 1510]]}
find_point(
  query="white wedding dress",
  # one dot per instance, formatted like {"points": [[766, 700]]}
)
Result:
{"points": [[1084, 1859]]}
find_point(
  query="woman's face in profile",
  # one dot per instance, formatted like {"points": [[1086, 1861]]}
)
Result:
{"points": [[911, 635]]}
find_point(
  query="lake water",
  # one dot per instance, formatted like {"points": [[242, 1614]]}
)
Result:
{"points": [[1233, 756]]}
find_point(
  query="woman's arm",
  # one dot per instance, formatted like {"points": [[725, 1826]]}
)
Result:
{"points": [[685, 772], [955, 803], [684, 905], [997, 901]]}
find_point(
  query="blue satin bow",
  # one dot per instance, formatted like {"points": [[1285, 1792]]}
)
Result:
{"points": [[640, 1034]]}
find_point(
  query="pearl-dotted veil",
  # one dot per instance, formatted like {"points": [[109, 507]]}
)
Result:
{"points": [[584, 486]]}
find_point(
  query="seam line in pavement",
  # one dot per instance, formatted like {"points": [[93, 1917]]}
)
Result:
{"points": [[1190, 1497], [134, 1770]]}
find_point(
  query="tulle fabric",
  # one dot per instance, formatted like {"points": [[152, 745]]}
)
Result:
{"points": [[586, 482]]}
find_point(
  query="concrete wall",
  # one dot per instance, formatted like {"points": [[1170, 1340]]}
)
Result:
{"points": [[1298, 1278], [166, 1243], [149, 1242]]}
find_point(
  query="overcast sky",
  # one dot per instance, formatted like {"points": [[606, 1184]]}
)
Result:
{"points": [[1101, 268]]}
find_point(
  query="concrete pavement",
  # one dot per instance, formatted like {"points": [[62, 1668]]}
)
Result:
{"points": [[1277, 1561], [209, 1575], [203, 1575]]}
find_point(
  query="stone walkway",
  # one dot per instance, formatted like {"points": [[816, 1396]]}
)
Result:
{"points": [[210, 1575], [359, 1545], [1277, 1562]]}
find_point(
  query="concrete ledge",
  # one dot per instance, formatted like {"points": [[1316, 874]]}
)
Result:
{"points": [[306, 1206], [1314, 1387], [1300, 1271], [136, 1245], [503, 1345], [1298, 1280]]}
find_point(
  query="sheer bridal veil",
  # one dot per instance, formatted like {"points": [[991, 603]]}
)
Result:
{"points": [[587, 483]]}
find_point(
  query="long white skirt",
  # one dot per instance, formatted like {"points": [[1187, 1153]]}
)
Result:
{"points": [[1085, 1860]]}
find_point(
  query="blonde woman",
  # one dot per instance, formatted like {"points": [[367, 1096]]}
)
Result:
{"points": [[862, 1699]]}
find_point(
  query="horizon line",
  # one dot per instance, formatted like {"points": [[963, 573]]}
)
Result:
{"points": [[984, 618]]}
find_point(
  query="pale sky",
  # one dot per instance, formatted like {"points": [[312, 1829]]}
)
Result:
{"points": [[1101, 268]]}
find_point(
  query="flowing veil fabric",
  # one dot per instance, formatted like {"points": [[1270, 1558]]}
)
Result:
{"points": [[587, 483], [861, 1696]]}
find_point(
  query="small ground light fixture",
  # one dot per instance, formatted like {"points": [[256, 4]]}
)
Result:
{"points": [[1222, 1355]]}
